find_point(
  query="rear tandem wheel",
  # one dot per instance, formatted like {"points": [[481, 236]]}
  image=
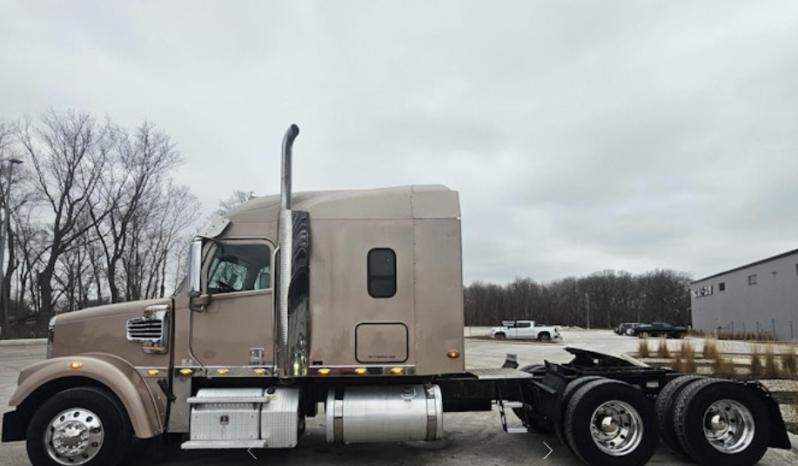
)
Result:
{"points": [[611, 422]]}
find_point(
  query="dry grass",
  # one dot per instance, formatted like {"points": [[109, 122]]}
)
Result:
{"points": [[686, 350], [749, 335], [687, 355], [677, 364], [771, 369], [789, 360], [710, 349], [723, 367], [662, 349], [757, 369], [745, 336], [642, 347]]}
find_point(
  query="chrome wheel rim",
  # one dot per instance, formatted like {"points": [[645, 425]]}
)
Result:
{"points": [[74, 437], [616, 428], [729, 426]]}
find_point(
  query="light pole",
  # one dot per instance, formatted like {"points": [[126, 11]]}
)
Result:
{"points": [[4, 234]]}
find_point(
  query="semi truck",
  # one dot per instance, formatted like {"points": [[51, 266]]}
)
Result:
{"points": [[347, 305]]}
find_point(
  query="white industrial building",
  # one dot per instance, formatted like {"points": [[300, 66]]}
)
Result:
{"points": [[758, 297]]}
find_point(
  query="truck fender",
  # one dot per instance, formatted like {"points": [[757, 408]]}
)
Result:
{"points": [[41, 380]]}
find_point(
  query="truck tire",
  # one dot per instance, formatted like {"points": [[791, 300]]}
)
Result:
{"points": [[664, 407], [81, 427], [722, 422], [500, 336], [567, 393], [531, 419], [544, 337], [611, 422]]}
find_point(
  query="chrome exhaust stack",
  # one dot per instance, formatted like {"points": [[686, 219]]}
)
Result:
{"points": [[285, 187], [285, 246]]}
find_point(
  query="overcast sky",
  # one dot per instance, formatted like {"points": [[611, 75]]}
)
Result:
{"points": [[581, 135]]}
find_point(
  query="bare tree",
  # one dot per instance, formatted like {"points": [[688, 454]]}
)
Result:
{"points": [[139, 168], [237, 198], [69, 156]]}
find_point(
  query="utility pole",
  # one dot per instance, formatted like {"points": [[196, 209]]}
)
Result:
{"points": [[4, 232]]}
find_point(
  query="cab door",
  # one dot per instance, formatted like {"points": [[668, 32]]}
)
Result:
{"points": [[234, 329], [524, 330]]}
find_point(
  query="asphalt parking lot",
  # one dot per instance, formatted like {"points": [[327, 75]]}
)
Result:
{"points": [[470, 438]]}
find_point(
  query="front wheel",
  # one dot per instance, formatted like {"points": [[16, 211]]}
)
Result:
{"points": [[500, 336], [79, 427], [544, 337]]}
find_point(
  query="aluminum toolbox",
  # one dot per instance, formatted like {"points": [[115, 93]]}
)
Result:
{"points": [[216, 416], [280, 417]]}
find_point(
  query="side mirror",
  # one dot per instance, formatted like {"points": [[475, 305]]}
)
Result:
{"points": [[194, 269]]}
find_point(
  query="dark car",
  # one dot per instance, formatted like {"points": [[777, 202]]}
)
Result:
{"points": [[625, 328], [660, 329]]}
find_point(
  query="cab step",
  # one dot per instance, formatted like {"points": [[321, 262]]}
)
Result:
{"points": [[222, 444]]}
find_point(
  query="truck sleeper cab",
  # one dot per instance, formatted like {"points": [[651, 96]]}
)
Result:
{"points": [[349, 300]]}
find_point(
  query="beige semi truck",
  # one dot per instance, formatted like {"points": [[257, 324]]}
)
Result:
{"points": [[347, 305]]}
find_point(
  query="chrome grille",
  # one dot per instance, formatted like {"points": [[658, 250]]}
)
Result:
{"points": [[142, 329], [151, 330]]}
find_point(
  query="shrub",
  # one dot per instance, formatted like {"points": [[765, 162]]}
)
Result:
{"points": [[756, 362], [789, 361], [723, 367], [710, 349], [677, 364], [689, 366], [662, 349], [642, 348], [686, 350], [687, 355], [771, 369]]}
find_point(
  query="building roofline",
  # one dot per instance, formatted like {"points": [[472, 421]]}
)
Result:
{"points": [[779, 256]]}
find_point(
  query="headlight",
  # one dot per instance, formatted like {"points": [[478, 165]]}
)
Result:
{"points": [[50, 337]]}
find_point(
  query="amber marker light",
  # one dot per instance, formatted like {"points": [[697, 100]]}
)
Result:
{"points": [[186, 372], [360, 370], [75, 365], [222, 371], [259, 371], [324, 371], [453, 354], [152, 372], [396, 371]]}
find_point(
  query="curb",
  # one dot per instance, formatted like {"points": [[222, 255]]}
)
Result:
{"points": [[24, 342]]}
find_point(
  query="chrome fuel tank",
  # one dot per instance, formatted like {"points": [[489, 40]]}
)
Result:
{"points": [[384, 414]]}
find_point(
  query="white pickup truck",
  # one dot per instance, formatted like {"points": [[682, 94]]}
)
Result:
{"points": [[525, 330]]}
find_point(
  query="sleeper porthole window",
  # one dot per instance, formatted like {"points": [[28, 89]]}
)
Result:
{"points": [[381, 273]]}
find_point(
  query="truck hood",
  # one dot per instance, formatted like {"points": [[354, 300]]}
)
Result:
{"points": [[101, 329], [108, 310]]}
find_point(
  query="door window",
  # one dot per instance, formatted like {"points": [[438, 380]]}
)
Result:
{"points": [[239, 267]]}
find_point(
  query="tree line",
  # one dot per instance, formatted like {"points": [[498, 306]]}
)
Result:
{"points": [[606, 298], [95, 216]]}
